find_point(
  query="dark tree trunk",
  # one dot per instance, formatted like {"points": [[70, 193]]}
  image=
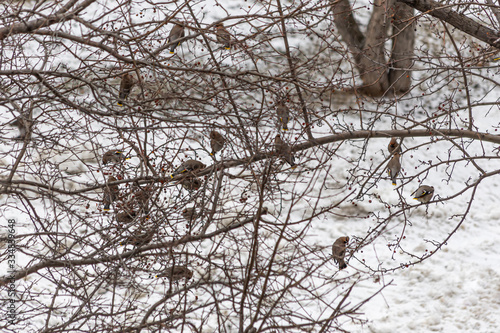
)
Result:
{"points": [[369, 50], [403, 41]]}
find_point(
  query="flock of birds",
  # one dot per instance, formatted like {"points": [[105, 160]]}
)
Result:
{"points": [[127, 212], [175, 39], [423, 194], [188, 168]]}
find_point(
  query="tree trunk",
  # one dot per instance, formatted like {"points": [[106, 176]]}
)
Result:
{"points": [[373, 64], [369, 50], [403, 41]]}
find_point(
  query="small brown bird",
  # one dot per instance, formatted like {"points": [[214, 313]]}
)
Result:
{"points": [[394, 167], [139, 238], [423, 194], [223, 36], [338, 251], [283, 113], [189, 214], [113, 156], [394, 146], [284, 150], [126, 217], [191, 183], [142, 197], [217, 141], [111, 193], [125, 87], [176, 33], [176, 273], [23, 124], [189, 165]]}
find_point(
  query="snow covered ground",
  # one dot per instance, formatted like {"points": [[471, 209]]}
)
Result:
{"points": [[455, 290]]}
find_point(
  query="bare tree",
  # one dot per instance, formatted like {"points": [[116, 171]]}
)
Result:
{"points": [[168, 233]]}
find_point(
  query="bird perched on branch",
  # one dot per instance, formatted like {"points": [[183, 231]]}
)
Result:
{"points": [[125, 87], [188, 166], [176, 273], [142, 197], [338, 251], [394, 167], [189, 214], [140, 237], [283, 113], [223, 36], [176, 33], [284, 150], [23, 124], [126, 217], [217, 141], [113, 156], [394, 146], [191, 183], [111, 193], [423, 194]]}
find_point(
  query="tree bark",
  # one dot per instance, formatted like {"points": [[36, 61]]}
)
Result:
{"points": [[459, 21], [403, 41], [369, 51], [373, 64], [348, 27]]}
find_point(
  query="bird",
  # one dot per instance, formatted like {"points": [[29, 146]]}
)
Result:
{"points": [[189, 165], [176, 33], [284, 150], [125, 217], [23, 124], [423, 194], [223, 36], [283, 114], [140, 237], [338, 251], [142, 196], [189, 214], [393, 167], [125, 87], [111, 193], [191, 183], [176, 273], [394, 146], [216, 142], [113, 156]]}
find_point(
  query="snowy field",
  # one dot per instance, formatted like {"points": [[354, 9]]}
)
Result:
{"points": [[457, 289]]}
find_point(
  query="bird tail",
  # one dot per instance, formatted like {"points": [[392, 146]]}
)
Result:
{"points": [[120, 103], [342, 264], [394, 183]]}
